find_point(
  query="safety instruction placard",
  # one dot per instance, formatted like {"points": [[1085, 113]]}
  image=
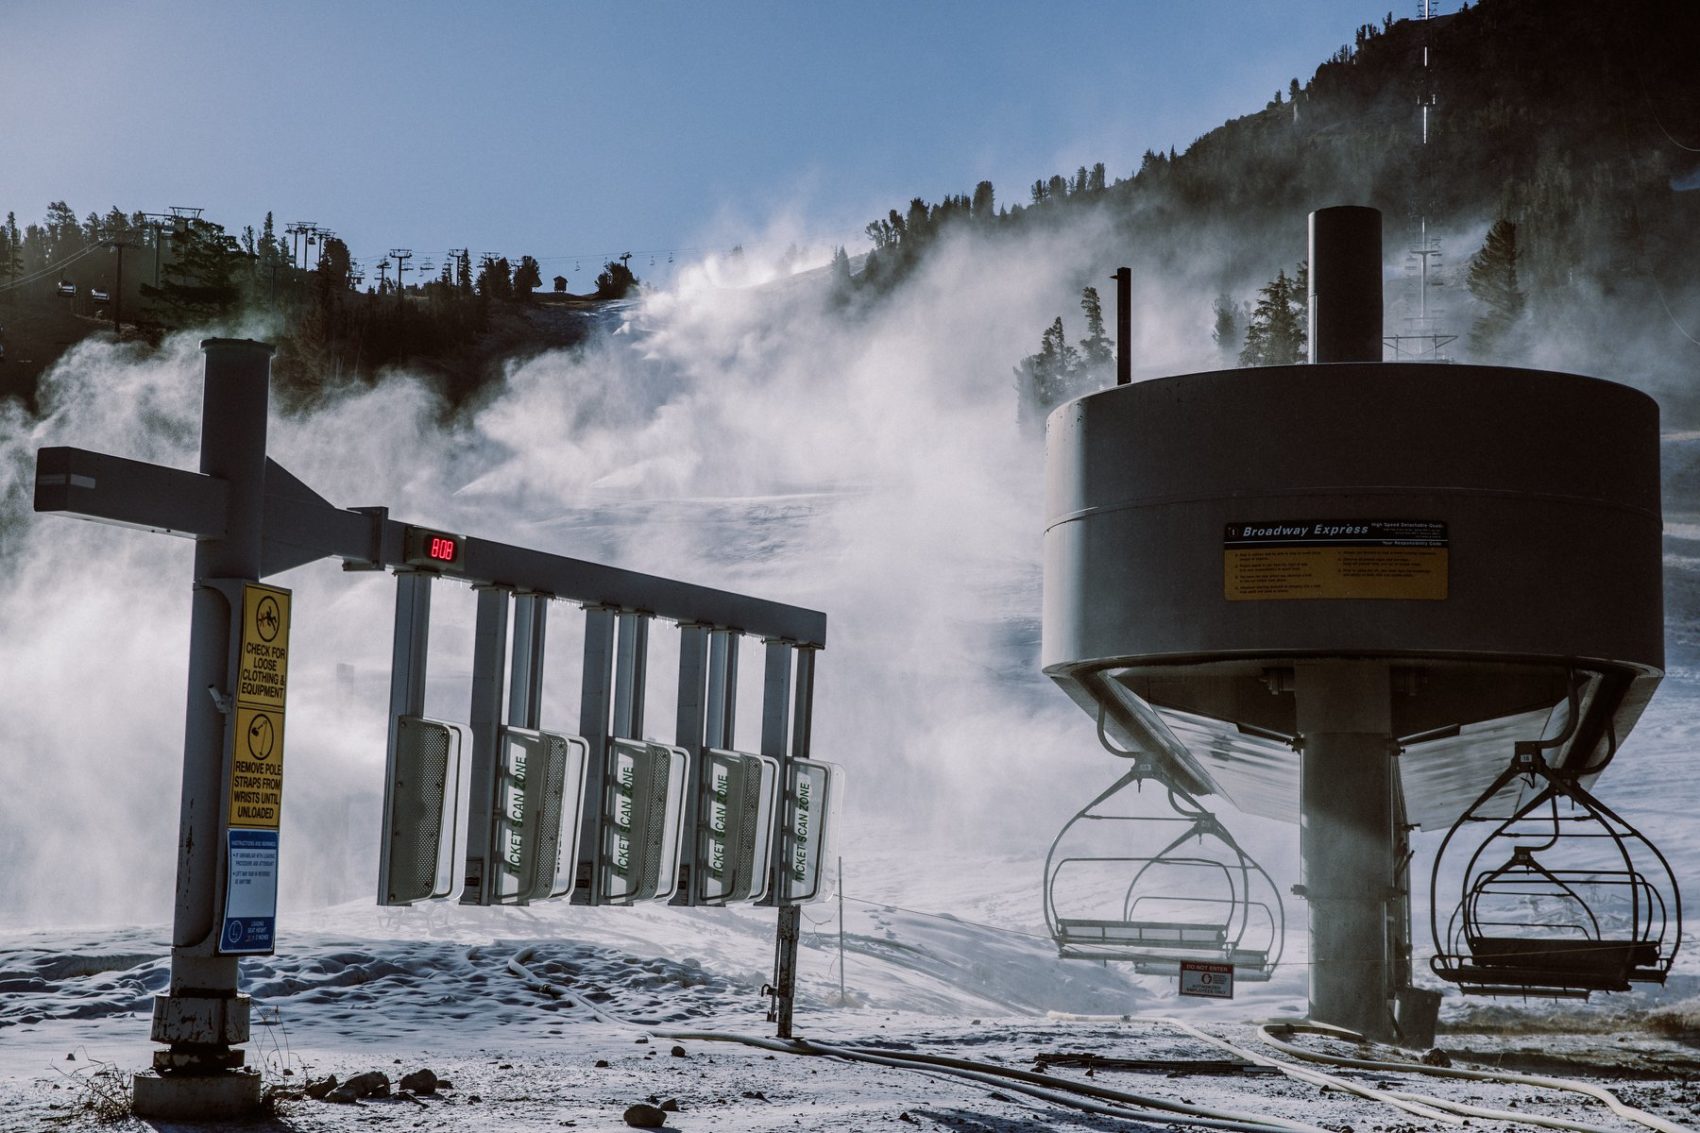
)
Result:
{"points": [[1335, 558], [1207, 980], [250, 893], [256, 768], [262, 680], [262, 669]]}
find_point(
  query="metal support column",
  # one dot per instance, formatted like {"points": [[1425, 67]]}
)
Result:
{"points": [[791, 916], [631, 674], [489, 660], [408, 663], [525, 673], [1124, 326], [1346, 841], [689, 733], [595, 705], [722, 689], [202, 1017]]}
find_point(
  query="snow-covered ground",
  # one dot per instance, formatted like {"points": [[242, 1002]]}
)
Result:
{"points": [[904, 509], [947, 961]]}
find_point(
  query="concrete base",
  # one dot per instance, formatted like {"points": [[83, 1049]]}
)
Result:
{"points": [[202, 1097]]}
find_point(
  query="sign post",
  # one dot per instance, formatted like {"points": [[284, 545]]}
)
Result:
{"points": [[202, 1019]]}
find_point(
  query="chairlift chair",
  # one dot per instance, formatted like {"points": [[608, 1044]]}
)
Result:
{"points": [[1580, 902], [1198, 897]]}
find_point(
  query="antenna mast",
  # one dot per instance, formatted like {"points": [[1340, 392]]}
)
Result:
{"points": [[1423, 340]]}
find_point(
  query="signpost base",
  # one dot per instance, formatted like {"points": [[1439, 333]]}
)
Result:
{"points": [[200, 1097]]}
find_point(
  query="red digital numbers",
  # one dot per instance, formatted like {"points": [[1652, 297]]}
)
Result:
{"points": [[437, 550]]}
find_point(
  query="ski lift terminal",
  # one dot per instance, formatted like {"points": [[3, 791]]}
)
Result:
{"points": [[1342, 593]]}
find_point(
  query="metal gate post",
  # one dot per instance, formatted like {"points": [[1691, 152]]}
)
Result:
{"points": [[689, 733], [631, 674], [408, 666], [722, 688], [525, 674], [790, 915], [203, 1017], [489, 649], [595, 703]]}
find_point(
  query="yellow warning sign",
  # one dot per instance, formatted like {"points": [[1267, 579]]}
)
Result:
{"points": [[256, 768], [262, 670], [262, 683], [1371, 559]]}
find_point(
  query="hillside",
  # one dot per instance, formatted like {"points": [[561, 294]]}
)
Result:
{"points": [[1575, 122]]}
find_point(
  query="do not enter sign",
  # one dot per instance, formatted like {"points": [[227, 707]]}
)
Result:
{"points": [[1209, 981]]}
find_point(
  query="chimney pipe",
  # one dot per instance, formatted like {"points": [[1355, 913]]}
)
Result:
{"points": [[1124, 326], [1345, 284]]}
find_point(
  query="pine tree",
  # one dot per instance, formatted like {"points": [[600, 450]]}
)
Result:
{"points": [[1493, 283], [495, 278], [615, 280], [1097, 353], [1226, 334], [64, 234], [198, 284], [11, 249], [840, 284], [1045, 380], [527, 278], [1276, 334]]}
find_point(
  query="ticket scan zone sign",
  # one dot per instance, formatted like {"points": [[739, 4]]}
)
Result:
{"points": [[256, 771]]}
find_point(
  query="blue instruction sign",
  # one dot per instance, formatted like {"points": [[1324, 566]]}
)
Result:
{"points": [[250, 894]]}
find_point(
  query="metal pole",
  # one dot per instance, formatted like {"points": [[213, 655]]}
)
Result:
{"points": [[407, 680], [525, 674], [118, 293], [489, 648], [203, 1017], [1346, 841], [631, 674], [689, 733], [1124, 326], [791, 915], [843, 1000], [595, 703]]}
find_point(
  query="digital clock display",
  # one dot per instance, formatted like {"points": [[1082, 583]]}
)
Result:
{"points": [[426, 548]]}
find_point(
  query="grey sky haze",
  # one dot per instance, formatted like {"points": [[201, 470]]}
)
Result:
{"points": [[574, 129]]}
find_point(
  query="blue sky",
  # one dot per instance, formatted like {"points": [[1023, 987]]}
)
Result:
{"points": [[563, 129]]}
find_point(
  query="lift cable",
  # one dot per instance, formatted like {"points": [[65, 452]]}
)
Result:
{"points": [[43, 273], [1087, 1097]]}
